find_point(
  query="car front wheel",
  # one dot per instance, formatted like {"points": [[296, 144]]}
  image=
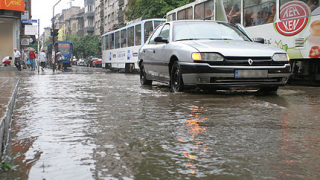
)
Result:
{"points": [[177, 84], [143, 77]]}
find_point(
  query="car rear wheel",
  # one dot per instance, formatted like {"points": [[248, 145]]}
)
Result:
{"points": [[143, 77], [177, 84]]}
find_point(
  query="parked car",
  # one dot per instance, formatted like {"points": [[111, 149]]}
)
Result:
{"points": [[210, 55], [97, 62], [80, 62]]}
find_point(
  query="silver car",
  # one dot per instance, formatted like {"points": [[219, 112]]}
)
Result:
{"points": [[210, 54]]}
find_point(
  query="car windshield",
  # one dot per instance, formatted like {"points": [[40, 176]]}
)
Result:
{"points": [[206, 30]]}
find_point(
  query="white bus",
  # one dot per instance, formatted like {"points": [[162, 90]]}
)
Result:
{"points": [[120, 47], [293, 25]]}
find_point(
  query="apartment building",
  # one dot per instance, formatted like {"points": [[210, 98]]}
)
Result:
{"points": [[97, 17], [88, 17], [114, 14]]}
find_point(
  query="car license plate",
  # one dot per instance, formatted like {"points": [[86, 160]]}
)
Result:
{"points": [[251, 73]]}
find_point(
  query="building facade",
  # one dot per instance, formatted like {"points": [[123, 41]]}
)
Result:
{"points": [[88, 17], [10, 25], [97, 17], [114, 14]]}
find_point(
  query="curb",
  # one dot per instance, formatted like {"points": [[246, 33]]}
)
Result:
{"points": [[6, 120]]}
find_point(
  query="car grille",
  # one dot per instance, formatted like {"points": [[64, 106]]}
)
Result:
{"points": [[244, 61]]}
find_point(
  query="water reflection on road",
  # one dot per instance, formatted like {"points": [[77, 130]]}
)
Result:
{"points": [[97, 125]]}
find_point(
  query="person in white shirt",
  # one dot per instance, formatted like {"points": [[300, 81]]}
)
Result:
{"points": [[17, 58], [43, 59], [7, 61]]}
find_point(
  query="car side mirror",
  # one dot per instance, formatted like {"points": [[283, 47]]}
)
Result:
{"points": [[160, 39], [258, 40]]}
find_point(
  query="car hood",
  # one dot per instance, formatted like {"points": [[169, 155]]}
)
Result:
{"points": [[233, 47]]}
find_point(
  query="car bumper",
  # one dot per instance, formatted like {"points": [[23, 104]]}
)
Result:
{"points": [[225, 77]]}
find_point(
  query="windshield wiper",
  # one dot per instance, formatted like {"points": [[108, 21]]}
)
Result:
{"points": [[187, 39], [219, 38]]}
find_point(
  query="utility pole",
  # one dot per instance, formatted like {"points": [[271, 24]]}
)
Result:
{"points": [[53, 37]]}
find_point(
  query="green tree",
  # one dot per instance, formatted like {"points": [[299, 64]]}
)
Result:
{"points": [[75, 40], [88, 45], [152, 9]]}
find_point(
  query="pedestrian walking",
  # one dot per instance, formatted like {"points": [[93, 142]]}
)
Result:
{"points": [[25, 60], [7, 61], [59, 59], [17, 58], [32, 57], [43, 59]]}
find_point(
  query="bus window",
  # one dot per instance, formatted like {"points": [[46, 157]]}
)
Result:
{"points": [[157, 23], [130, 32], [117, 39], [138, 34], [171, 17], [189, 13], [147, 30], [182, 14], [64, 48], [259, 13], [111, 40], [199, 11], [233, 11], [104, 42], [313, 5], [208, 9], [123, 38]]}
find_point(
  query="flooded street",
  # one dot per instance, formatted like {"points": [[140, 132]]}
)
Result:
{"points": [[87, 123]]}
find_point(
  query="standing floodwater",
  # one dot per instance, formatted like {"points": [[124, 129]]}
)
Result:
{"points": [[96, 125]]}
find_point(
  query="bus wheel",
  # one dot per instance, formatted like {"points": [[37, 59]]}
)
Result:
{"points": [[143, 76], [177, 84], [129, 67]]}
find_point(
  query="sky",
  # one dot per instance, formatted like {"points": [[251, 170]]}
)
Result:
{"points": [[42, 9]]}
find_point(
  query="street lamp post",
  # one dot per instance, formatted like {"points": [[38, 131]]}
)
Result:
{"points": [[53, 37]]}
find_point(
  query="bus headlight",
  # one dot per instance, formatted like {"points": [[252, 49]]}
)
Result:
{"points": [[280, 57], [207, 57]]}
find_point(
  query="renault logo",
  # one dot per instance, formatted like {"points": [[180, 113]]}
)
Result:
{"points": [[250, 61]]}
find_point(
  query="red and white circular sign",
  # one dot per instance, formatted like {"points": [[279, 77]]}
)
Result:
{"points": [[294, 17]]}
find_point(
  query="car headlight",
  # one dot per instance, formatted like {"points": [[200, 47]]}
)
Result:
{"points": [[207, 57], [280, 57]]}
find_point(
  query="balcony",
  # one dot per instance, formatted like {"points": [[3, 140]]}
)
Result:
{"points": [[121, 2], [89, 30], [101, 14], [88, 15], [101, 30]]}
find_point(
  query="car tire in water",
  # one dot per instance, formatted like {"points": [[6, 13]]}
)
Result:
{"points": [[143, 76], [176, 81]]}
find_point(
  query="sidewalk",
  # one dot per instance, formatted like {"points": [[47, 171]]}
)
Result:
{"points": [[9, 81]]}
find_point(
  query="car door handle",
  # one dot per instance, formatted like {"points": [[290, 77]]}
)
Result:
{"points": [[154, 51]]}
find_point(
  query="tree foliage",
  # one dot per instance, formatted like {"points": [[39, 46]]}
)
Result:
{"points": [[152, 9], [86, 46]]}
